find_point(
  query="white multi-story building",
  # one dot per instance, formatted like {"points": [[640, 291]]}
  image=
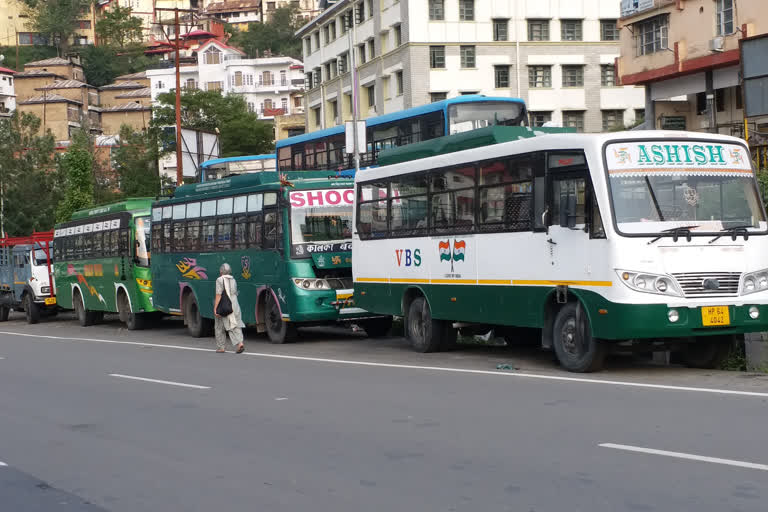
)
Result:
{"points": [[558, 55], [7, 92], [239, 13], [271, 86]]}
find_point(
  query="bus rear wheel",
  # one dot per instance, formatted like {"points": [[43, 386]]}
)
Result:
{"points": [[425, 333], [576, 349], [708, 352], [31, 311], [132, 321], [198, 326], [278, 331], [84, 317]]}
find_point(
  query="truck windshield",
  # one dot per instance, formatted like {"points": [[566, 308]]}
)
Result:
{"points": [[705, 187], [142, 245], [321, 220], [41, 259], [471, 116]]}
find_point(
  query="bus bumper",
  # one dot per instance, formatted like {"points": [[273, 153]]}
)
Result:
{"points": [[615, 321], [328, 307]]}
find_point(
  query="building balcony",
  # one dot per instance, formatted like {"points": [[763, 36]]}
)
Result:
{"points": [[271, 85]]}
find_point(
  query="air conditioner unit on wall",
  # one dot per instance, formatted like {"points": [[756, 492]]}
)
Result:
{"points": [[716, 44]]}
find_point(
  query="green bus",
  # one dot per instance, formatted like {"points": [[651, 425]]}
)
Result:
{"points": [[287, 239], [102, 263]]}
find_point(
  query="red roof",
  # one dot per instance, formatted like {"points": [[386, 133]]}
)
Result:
{"points": [[6, 70], [219, 43], [198, 33], [158, 50]]}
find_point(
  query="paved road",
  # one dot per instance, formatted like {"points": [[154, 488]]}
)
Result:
{"points": [[359, 425]]}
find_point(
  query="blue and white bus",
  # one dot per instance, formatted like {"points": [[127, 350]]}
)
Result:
{"points": [[218, 168], [324, 149]]}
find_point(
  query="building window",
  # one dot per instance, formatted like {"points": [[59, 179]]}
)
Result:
{"points": [[399, 82], [159, 85], [370, 8], [437, 57], [720, 99], [437, 96], [539, 118], [270, 6], [212, 56], [467, 56], [361, 50], [573, 76], [612, 119], [327, 34], [398, 35], [739, 98], [466, 10], [191, 84], [539, 76], [333, 106], [538, 30], [574, 120], [384, 40], [724, 10], [214, 86], [639, 115], [436, 10], [370, 91], [316, 112], [332, 27], [608, 30], [501, 76], [500, 32], [385, 87], [570, 30], [651, 35], [371, 49], [608, 75], [316, 37], [84, 25]]}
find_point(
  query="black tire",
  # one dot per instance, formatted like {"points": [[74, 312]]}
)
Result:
{"points": [[377, 327], [4, 312], [278, 332], [84, 317], [708, 352], [31, 310], [424, 333], [198, 326], [575, 348], [132, 321], [448, 341]]}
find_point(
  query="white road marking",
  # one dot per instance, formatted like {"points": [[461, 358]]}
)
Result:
{"points": [[170, 383], [2, 358], [418, 367], [3, 464], [687, 456], [280, 398]]}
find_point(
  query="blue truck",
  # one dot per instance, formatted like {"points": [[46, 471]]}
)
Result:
{"points": [[25, 277]]}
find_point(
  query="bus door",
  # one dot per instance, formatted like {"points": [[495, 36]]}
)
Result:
{"points": [[571, 217]]}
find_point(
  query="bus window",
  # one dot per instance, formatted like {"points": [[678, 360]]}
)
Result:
{"points": [[255, 202], [463, 117], [97, 246], [453, 199], [272, 230], [224, 233], [179, 211], [157, 214], [193, 210], [167, 237], [241, 204], [114, 243], [141, 241], [208, 209], [254, 231], [569, 201], [241, 231], [157, 236], [87, 245], [208, 237], [224, 206], [123, 240], [192, 240], [179, 235], [270, 199]]}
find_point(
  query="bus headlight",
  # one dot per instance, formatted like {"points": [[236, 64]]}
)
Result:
{"points": [[754, 282], [650, 283], [307, 283]]}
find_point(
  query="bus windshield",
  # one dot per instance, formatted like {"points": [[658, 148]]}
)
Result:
{"points": [[142, 244], [706, 188], [463, 117], [321, 220]]}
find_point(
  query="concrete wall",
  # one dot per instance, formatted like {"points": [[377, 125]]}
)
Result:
{"points": [[55, 116], [112, 121], [26, 87]]}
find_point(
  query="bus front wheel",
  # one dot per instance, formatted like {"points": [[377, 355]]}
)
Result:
{"points": [[198, 326], [278, 331], [424, 332], [133, 321], [576, 349]]}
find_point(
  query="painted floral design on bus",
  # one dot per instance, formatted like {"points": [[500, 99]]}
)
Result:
{"points": [[737, 157], [459, 248], [622, 155], [91, 270], [189, 269], [245, 262]]}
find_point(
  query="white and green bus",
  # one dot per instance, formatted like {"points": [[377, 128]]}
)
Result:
{"points": [[633, 239]]}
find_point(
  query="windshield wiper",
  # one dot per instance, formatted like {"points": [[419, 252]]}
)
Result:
{"points": [[676, 233], [734, 231]]}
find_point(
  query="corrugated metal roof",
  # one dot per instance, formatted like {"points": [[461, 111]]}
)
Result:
{"points": [[136, 93], [48, 98], [54, 61], [123, 85], [141, 75], [126, 107], [65, 84], [37, 73]]}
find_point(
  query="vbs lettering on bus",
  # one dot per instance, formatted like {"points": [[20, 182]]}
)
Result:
{"points": [[664, 154], [314, 198], [408, 258]]}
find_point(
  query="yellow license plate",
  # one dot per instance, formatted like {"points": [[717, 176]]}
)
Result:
{"points": [[715, 316], [50, 300]]}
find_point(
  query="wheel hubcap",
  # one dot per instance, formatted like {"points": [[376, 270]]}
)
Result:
{"points": [[572, 343]]}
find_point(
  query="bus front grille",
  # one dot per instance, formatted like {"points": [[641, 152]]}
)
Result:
{"points": [[709, 284]]}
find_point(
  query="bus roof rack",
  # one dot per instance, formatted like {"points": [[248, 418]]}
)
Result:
{"points": [[126, 205], [242, 181], [37, 237], [487, 136]]}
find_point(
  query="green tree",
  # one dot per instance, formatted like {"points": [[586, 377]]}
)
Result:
{"points": [[277, 35], [57, 19], [135, 161], [118, 27], [76, 167], [102, 64], [240, 131], [28, 180]]}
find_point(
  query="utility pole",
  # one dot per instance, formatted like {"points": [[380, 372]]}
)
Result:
{"points": [[353, 64], [176, 44]]}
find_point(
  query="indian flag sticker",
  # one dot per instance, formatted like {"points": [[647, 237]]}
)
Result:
{"points": [[445, 250]]}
